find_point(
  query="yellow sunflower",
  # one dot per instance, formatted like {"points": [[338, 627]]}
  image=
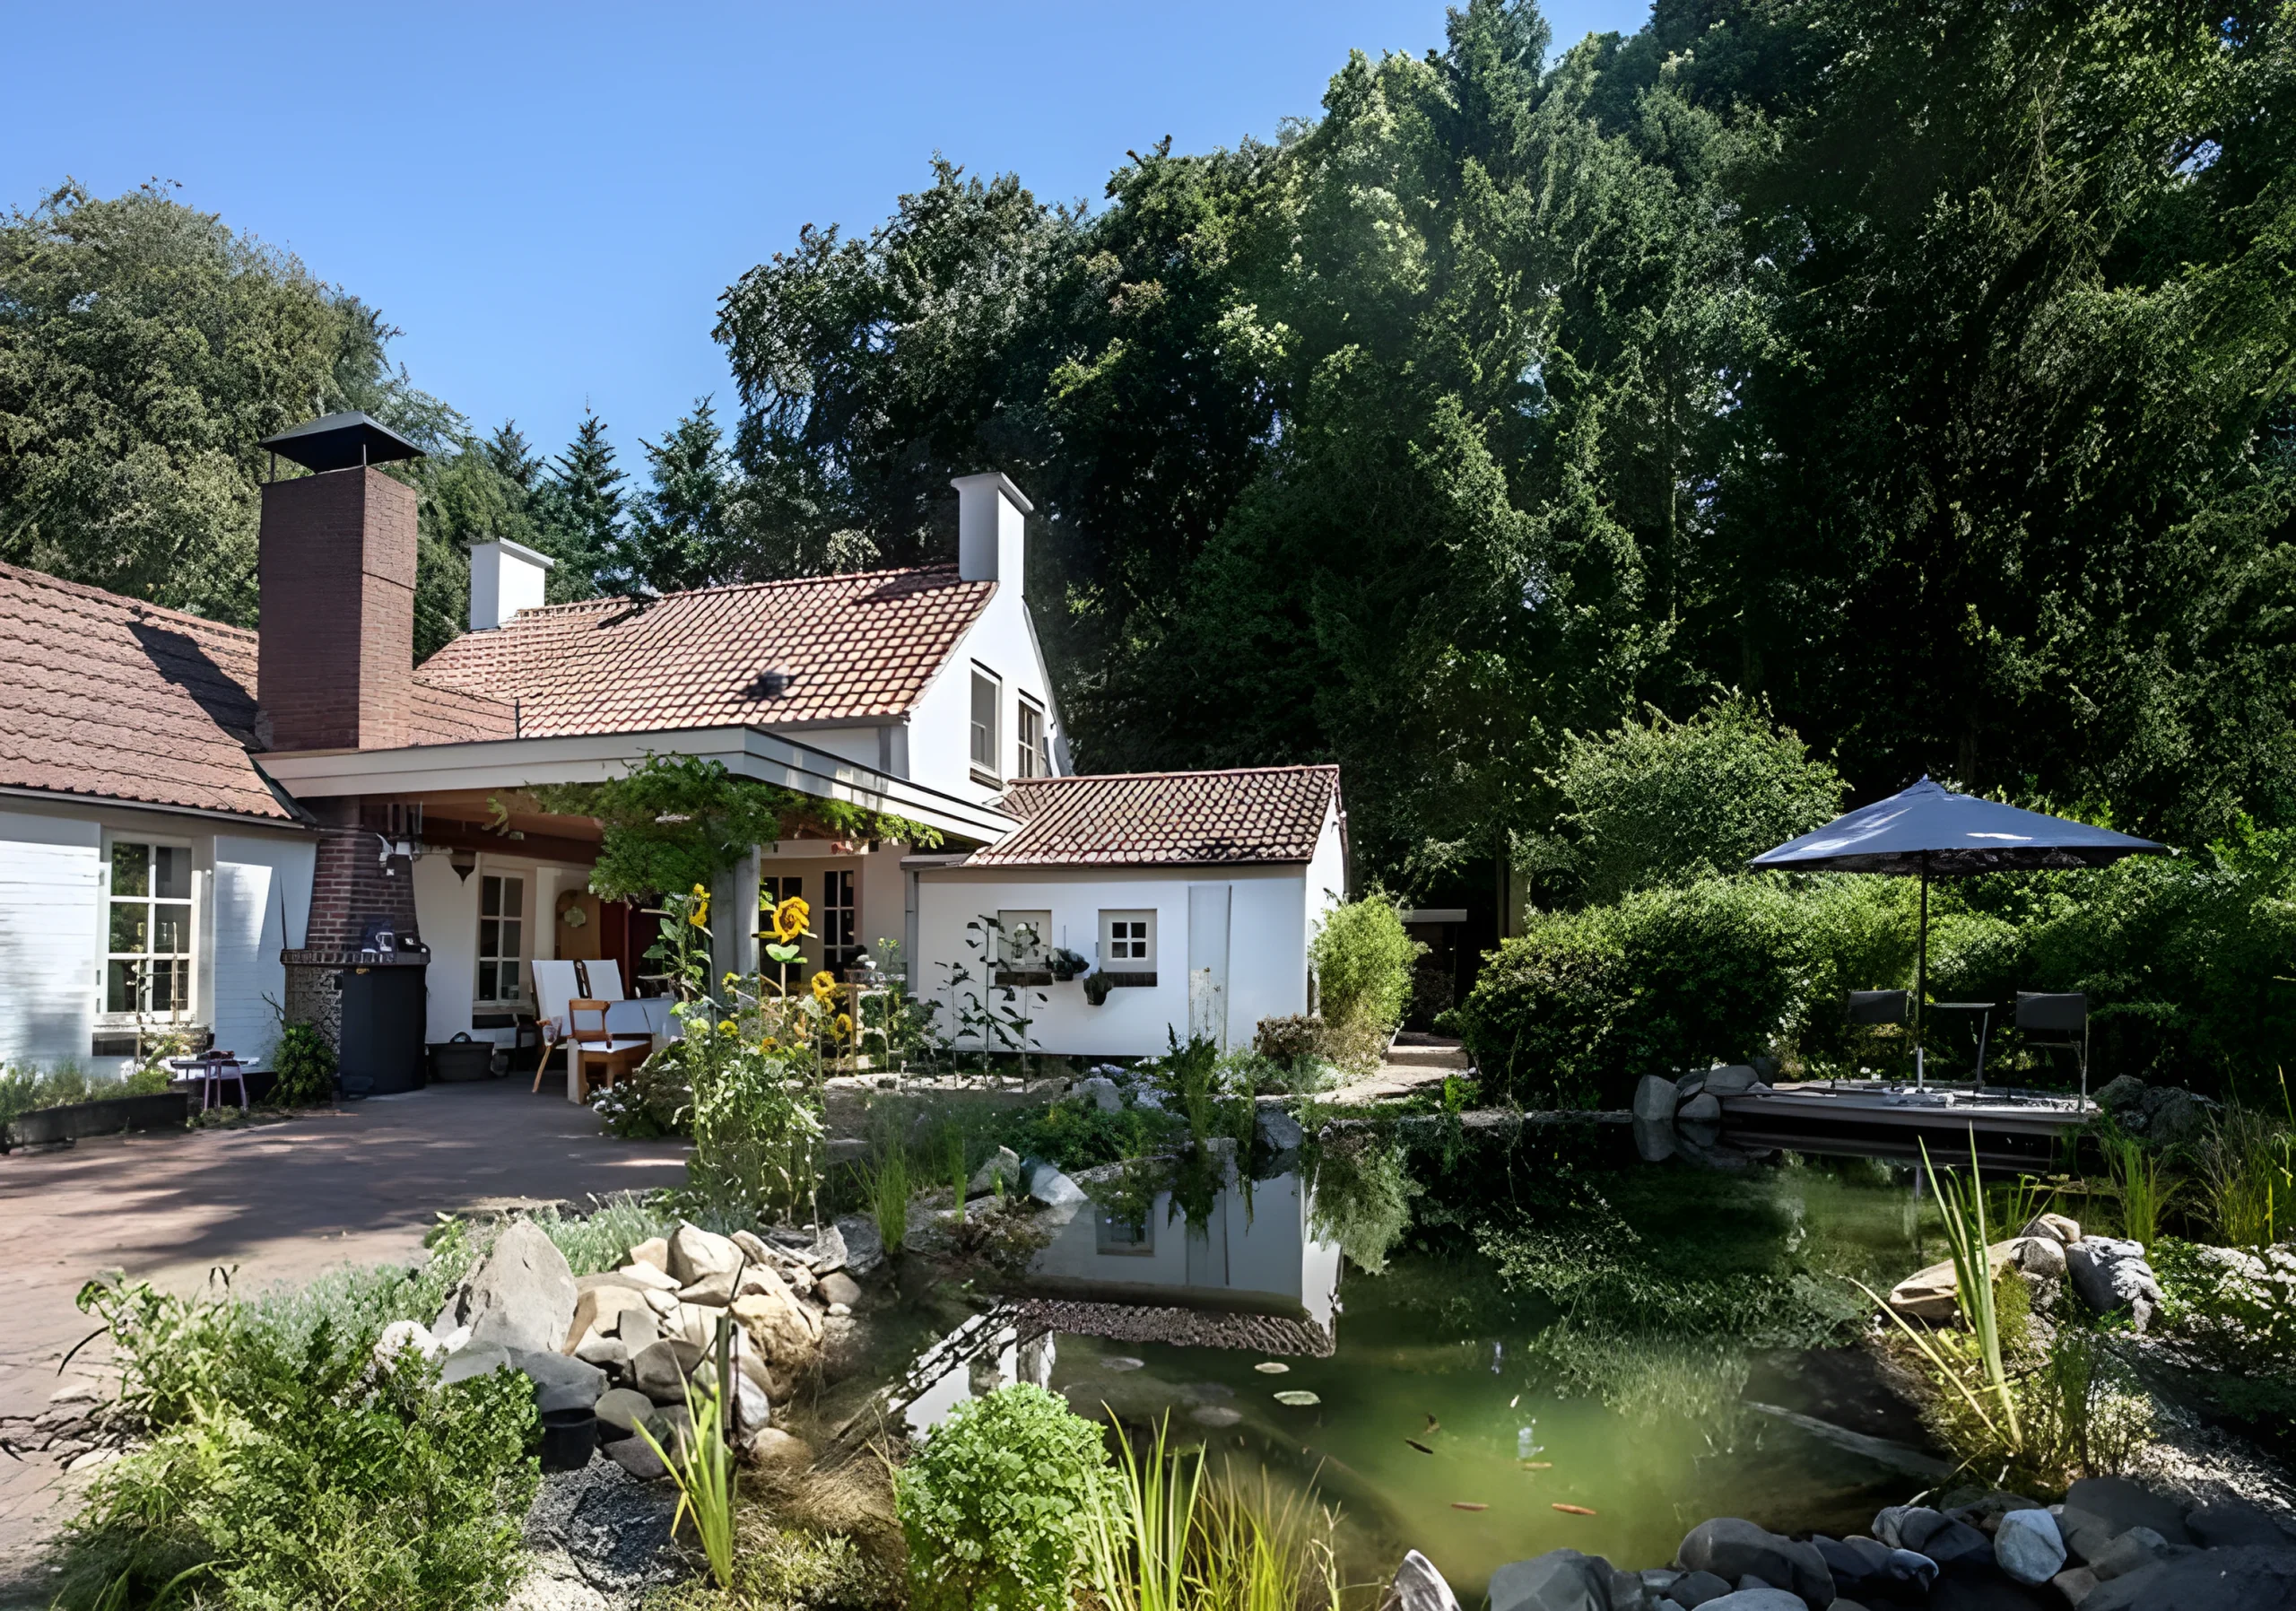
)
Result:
{"points": [[790, 919], [726, 1026], [845, 1024], [769, 1045], [824, 984]]}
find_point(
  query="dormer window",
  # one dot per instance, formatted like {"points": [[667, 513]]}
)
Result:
{"points": [[1035, 741], [988, 695]]}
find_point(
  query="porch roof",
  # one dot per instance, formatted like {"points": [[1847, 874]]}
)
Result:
{"points": [[511, 763]]}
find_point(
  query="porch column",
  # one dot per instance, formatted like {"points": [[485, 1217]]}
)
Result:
{"points": [[735, 918]]}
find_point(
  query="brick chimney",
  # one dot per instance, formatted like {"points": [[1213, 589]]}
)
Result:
{"points": [[335, 666]]}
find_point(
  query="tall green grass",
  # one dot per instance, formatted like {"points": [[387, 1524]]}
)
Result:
{"points": [[2247, 1174], [1161, 1537], [2139, 1184], [884, 1193], [703, 1469]]}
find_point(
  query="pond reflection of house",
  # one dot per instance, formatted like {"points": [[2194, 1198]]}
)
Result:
{"points": [[1253, 1257]]}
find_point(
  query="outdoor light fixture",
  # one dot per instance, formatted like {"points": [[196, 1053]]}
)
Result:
{"points": [[462, 858]]}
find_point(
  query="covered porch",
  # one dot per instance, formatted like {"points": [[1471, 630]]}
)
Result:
{"points": [[497, 884]]}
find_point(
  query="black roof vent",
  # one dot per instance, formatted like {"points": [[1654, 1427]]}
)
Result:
{"points": [[341, 441]]}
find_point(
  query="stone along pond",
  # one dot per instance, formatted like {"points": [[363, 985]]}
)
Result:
{"points": [[1479, 1345]]}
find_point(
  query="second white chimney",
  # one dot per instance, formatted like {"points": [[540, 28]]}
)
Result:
{"points": [[992, 528], [505, 578]]}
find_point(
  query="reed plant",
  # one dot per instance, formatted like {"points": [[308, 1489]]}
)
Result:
{"points": [[702, 1466], [2247, 1174], [1961, 1204], [885, 1190], [2140, 1186], [1161, 1537]]}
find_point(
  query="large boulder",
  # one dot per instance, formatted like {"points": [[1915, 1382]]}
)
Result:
{"points": [[1279, 1132], [1762, 1597], [1561, 1579], [1417, 1586], [2027, 1546], [2112, 1275], [1696, 1588], [560, 1382], [2057, 1226], [1655, 1098], [704, 1265], [786, 1333], [1002, 1169], [1705, 1107], [2233, 1521], [1101, 1090], [660, 1369], [2243, 1578], [521, 1295], [1931, 1295], [1735, 1080], [864, 1250], [600, 1309], [1731, 1549]]}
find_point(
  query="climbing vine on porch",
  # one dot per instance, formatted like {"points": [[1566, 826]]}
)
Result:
{"points": [[677, 821]]}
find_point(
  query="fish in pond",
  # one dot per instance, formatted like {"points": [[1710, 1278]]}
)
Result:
{"points": [[1214, 1414], [1574, 1509], [1297, 1398], [1538, 1465], [1271, 1367], [1415, 1444], [1432, 1424], [1467, 1504], [1121, 1363]]}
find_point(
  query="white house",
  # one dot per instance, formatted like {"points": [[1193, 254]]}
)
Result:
{"points": [[312, 788], [1191, 895], [150, 875]]}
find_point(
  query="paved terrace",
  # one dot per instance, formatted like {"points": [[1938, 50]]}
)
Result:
{"points": [[275, 1203]]}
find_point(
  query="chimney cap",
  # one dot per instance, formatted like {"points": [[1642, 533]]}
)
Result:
{"points": [[1001, 482], [339, 441]]}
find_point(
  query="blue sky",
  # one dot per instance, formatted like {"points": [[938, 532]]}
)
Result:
{"points": [[548, 201]]}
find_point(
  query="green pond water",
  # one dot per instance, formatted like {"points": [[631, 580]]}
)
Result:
{"points": [[1519, 1320]]}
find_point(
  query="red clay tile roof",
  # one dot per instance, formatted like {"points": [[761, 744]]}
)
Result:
{"points": [[1165, 819], [843, 648], [107, 697], [444, 715]]}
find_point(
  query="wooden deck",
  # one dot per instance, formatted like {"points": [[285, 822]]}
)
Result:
{"points": [[2001, 1119]]}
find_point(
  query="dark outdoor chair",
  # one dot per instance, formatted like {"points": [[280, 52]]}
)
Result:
{"points": [[1878, 1007], [2058, 1023]]}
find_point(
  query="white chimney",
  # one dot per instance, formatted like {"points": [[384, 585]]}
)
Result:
{"points": [[505, 578], [992, 523]]}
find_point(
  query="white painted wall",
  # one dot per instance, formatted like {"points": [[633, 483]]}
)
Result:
{"points": [[52, 925], [1263, 1254], [1267, 947], [51, 936], [261, 902], [447, 909]]}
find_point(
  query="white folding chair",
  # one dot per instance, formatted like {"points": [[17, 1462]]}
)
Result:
{"points": [[554, 986]]}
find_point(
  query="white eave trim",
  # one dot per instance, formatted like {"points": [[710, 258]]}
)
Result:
{"points": [[501, 763], [53, 797]]}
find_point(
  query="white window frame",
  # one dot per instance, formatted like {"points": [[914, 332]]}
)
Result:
{"points": [[1035, 748], [186, 1010], [523, 957], [1112, 962], [987, 737], [839, 925]]}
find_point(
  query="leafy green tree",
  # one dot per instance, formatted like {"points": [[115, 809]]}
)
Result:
{"points": [[144, 350], [684, 530], [1666, 802], [579, 510]]}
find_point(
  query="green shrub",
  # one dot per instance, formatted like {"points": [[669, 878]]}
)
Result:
{"points": [[1576, 1010], [284, 1470], [303, 1067], [995, 1504], [28, 1089], [1671, 802], [1073, 1134], [1363, 960]]}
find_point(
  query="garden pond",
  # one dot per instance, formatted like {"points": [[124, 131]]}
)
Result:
{"points": [[1479, 1345]]}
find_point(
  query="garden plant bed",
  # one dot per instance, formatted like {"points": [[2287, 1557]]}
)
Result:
{"points": [[109, 1115]]}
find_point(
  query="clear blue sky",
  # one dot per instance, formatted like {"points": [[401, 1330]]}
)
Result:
{"points": [[548, 201]]}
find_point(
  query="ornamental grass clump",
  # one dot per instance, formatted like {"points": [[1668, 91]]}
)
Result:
{"points": [[997, 1505]]}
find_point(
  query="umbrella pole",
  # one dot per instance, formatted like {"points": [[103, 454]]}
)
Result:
{"points": [[1921, 982]]}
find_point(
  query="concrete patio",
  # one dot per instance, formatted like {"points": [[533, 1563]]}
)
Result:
{"points": [[275, 1202]]}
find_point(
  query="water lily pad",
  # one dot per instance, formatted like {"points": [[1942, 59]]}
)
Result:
{"points": [[1271, 1367], [1214, 1414], [1121, 1363], [1297, 1396]]}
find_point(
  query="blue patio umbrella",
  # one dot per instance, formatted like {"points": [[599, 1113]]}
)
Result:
{"points": [[1929, 831]]}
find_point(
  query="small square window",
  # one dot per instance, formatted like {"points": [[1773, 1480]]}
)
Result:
{"points": [[1128, 942]]}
